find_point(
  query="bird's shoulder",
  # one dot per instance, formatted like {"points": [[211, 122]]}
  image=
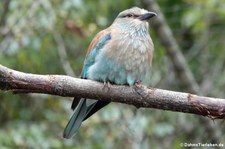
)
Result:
{"points": [[98, 37], [96, 44]]}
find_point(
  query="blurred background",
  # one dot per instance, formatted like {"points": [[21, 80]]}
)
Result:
{"points": [[52, 36]]}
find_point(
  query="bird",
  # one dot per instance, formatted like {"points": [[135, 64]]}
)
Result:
{"points": [[120, 54]]}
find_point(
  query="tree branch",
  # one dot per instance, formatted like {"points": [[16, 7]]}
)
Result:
{"points": [[139, 96]]}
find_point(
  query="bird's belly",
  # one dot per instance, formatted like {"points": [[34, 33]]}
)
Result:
{"points": [[106, 69]]}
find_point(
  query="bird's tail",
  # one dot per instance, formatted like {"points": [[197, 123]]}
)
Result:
{"points": [[82, 110]]}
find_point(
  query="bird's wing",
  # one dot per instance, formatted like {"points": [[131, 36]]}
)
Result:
{"points": [[86, 107], [97, 43]]}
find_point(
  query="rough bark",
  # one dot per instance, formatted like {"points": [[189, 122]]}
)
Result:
{"points": [[138, 95]]}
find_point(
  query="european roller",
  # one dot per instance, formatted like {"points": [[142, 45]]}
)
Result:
{"points": [[121, 54]]}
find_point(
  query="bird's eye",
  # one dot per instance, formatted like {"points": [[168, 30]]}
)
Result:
{"points": [[130, 15]]}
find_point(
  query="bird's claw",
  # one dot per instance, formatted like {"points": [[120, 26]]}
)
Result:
{"points": [[138, 84], [107, 85], [136, 87], [139, 89]]}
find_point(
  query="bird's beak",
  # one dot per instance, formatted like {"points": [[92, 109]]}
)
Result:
{"points": [[147, 16]]}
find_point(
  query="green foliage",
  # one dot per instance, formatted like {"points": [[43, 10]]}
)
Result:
{"points": [[28, 43]]}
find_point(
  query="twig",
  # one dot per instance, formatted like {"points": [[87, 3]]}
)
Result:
{"points": [[59, 41], [63, 55]]}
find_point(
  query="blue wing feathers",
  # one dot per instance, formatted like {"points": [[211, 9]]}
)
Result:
{"points": [[91, 57], [86, 107]]}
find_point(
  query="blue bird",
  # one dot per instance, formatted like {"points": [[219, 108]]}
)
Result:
{"points": [[121, 54]]}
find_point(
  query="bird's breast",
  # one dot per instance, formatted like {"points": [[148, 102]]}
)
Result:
{"points": [[123, 60], [134, 54]]}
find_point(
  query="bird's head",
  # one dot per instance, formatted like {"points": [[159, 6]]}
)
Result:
{"points": [[134, 18]]}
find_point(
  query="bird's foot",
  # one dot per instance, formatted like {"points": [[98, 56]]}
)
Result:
{"points": [[138, 84], [107, 85], [140, 89]]}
